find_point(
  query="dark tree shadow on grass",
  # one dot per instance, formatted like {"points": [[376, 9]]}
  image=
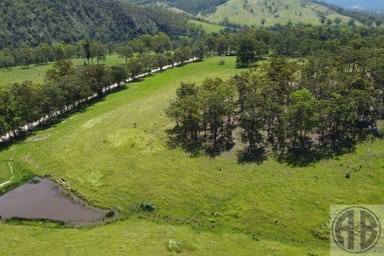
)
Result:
{"points": [[252, 156], [221, 145], [176, 139], [197, 147], [301, 157], [298, 157]]}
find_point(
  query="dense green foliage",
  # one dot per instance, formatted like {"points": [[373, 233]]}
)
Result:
{"points": [[95, 52], [326, 104], [292, 40], [204, 114], [25, 103], [34, 22], [322, 105]]}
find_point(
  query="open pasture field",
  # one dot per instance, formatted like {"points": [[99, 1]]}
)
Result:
{"points": [[36, 73], [208, 27], [253, 12], [116, 154]]}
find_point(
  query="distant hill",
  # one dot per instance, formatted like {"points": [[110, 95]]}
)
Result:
{"points": [[270, 12], [32, 22], [358, 4], [255, 12], [364, 16]]}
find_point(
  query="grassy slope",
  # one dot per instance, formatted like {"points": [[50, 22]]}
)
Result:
{"points": [[36, 72], [208, 28], [235, 11], [215, 206]]}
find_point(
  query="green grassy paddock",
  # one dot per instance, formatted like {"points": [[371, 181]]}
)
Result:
{"points": [[36, 73], [115, 154], [256, 11], [208, 27]]}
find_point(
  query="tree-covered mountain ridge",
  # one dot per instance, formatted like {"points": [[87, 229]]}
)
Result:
{"points": [[24, 22]]}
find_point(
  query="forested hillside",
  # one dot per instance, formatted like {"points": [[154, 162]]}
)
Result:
{"points": [[33, 22]]}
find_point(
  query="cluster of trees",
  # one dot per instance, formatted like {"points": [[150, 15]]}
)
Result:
{"points": [[147, 61], [326, 103], [66, 87], [44, 53], [68, 21], [301, 40], [249, 44], [204, 115], [159, 43], [91, 50], [147, 52]]}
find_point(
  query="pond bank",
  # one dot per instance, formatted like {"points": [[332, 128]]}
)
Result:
{"points": [[43, 199]]}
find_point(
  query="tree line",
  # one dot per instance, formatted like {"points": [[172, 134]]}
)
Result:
{"points": [[250, 44], [94, 52], [323, 105], [66, 87]]}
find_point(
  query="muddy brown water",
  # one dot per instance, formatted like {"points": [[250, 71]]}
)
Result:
{"points": [[45, 199]]}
